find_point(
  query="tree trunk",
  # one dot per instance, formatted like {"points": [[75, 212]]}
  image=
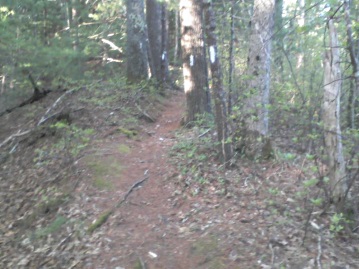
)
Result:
{"points": [[331, 118], [193, 60], [3, 79], [256, 96], [176, 53], [165, 74], [354, 91], [231, 60], [301, 23], [278, 35], [136, 47], [157, 20], [217, 86], [153, 16]]}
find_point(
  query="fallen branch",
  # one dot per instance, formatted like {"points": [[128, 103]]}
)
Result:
{"points": [[145, 114], [44, 118], [319, 264], [134, 186], [37, 95], [11, 137], [104, 217], [203, 134], [111, 44], [273, 255]]}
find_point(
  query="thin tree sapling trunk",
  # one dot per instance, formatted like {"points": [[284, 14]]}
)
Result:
{"points": [[219, 95]]}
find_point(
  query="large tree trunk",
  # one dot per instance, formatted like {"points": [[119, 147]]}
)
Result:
{"points": [[157, 20], [217, 86], [331, 118], [256, 95], [165, 74], [136, 49], [193, 60], [153, 15]]}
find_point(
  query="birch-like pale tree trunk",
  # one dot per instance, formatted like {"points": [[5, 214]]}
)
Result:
{"points": [[165, 75], [301, 23], [256, 95], [331, 118]]}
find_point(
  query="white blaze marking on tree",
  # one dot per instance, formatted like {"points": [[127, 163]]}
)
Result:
{"points": [[212, 54], [164, 55], [191, 60]]}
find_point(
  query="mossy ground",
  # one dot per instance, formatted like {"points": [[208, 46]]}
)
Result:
{"points": [[103, 169]]}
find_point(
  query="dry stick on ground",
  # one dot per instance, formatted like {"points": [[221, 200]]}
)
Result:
{"points": [[43, 119], [11, 137], [145, 114], [319, 255], [273, 255], [103, 218]]}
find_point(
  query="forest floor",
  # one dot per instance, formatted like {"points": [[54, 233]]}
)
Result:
{"points": [[105, 187]]}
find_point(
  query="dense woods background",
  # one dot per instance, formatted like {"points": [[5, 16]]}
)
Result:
{"points": [[274, 79]]}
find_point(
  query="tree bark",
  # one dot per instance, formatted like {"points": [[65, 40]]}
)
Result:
{"points": [[279, 34], [331, 118], [256, 96], [219, 95], [176, 53], [231, 60], [153, 16], [157, 20], [193, 60], [165, 74], [354, 59], [136, 47]]}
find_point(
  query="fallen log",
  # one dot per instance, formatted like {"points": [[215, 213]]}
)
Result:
{"points": [[37, 95]]}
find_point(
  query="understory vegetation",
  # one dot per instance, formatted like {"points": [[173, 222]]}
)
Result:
{"points": [[78, 135], [42, 165]]}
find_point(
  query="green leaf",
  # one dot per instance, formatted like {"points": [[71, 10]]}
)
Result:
{"points": [[317, 202], [310, 183]]}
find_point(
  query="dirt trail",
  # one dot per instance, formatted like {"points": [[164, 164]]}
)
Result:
{"points": [[190, 214], [236, 218], [141, 230]]}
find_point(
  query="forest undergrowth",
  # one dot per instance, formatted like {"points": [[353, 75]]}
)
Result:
{"points": [[61, 158]]}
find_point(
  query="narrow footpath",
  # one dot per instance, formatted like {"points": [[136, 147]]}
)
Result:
{"points": [[143, 232]]}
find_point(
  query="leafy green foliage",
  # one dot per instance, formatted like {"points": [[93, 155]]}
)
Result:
{"points": [[56, 39], [336, 225], [310, 183]]}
